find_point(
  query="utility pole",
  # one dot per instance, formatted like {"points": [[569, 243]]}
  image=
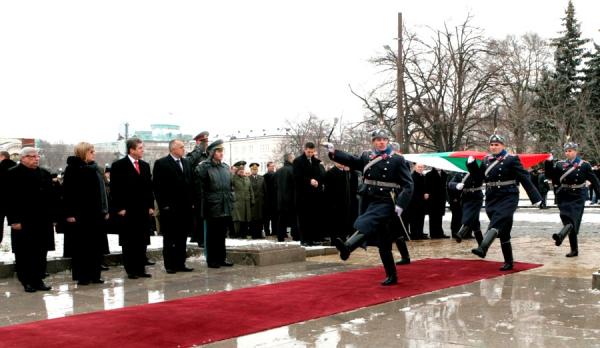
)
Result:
{"points": [[126, 130], [400, 120]]}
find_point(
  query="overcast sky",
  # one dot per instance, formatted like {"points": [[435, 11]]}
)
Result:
{"points": [[78, 70]]}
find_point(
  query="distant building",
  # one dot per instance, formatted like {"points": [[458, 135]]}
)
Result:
{"points": [[260, 149], [156, 142], [14, 145]]}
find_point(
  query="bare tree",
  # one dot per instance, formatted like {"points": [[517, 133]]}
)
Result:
{"points": [[521, 62]]}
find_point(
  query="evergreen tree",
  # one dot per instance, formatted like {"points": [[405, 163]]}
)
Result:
{"points": [[569, 53], [591, 86]]}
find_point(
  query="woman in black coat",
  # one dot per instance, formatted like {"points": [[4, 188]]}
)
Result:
{"points": [[86, 209]]}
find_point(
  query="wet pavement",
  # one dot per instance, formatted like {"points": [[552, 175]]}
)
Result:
{"points": [[551, 306]]}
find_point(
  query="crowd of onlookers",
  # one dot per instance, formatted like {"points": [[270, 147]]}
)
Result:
{"points": [[195, 196]]}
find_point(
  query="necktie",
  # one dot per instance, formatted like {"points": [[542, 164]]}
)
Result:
{"points": [[179, 165], [137, 166]]}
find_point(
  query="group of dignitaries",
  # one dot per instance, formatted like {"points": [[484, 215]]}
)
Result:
{"points": [[374, 197]]}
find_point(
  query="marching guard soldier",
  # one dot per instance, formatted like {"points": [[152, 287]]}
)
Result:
{"points": [[570, 175], [501, 173], [471, 200], [386, 191]]}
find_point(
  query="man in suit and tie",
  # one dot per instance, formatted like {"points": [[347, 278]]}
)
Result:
{"points": [[133, 203], [172, 179]]}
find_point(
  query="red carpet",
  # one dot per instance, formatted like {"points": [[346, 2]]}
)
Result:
{"points": [[214, 317]]}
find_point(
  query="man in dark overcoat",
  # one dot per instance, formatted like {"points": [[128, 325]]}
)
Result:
{"points": [[571, 175], [133, 206], [31, 214], [308, 177], [285, 189], [435, 197], [339, 200], [259, 189], [173, 189], [197, 155], [5, 164], [270, 218]]}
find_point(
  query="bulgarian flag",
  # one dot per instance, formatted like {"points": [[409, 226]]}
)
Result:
{"points": [[457, 161]]}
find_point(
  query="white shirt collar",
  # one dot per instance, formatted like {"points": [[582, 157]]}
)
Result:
{"points": [[132, 159]]}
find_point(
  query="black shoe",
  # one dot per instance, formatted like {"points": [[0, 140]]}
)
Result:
{"points": [[43, 287], [213, 265], [390, 281], [150, 263], [132, 276], [144, 275], [83, 282], [170, 271], [227, 263], [442, 236], [506, 267], [104, 268], [98, 281], [403, 262], [573, 253], [29, 288], [185, 269]]}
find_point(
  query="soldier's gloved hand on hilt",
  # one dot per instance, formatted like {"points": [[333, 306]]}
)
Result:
{"points": [[398, 211], [460, 186], [550, 158], [470, 159], [329, 147]]}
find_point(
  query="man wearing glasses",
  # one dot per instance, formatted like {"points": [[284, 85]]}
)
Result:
{"points": [[31, 216]]}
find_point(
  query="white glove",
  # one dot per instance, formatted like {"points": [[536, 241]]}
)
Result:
{"points": [[398, 211], [550, 158], [460, 186], [471, 159], [329, 147], [537, 204]]}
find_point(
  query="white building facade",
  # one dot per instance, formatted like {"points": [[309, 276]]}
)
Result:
{"points": [[261, 149]]}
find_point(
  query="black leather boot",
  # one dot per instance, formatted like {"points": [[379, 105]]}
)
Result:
{"points": [[347, 247], [403, 249], [390, 268], [560, 236], [462, 233], [508, 256], [574, 247], [478, 237], [489, 237]]}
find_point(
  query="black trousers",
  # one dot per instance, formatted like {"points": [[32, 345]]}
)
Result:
{"points": [[416, 221], [270, 222], [308, 226], [2, 216], [134, 257], [174, 240], [30, 262], [216, 230], [256, 227], [285, 220], [435, 225], [456, 221]]}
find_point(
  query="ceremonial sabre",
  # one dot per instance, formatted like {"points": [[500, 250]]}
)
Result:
{"points": [[335, 121], [393, 194]]}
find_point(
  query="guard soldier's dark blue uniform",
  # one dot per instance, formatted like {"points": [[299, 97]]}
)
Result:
{"points": [[502, 173], [386, 183], [570, 178], [471, 201]]}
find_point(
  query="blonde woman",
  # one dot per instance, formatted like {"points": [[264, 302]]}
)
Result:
{"points": [[86, 209]]}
